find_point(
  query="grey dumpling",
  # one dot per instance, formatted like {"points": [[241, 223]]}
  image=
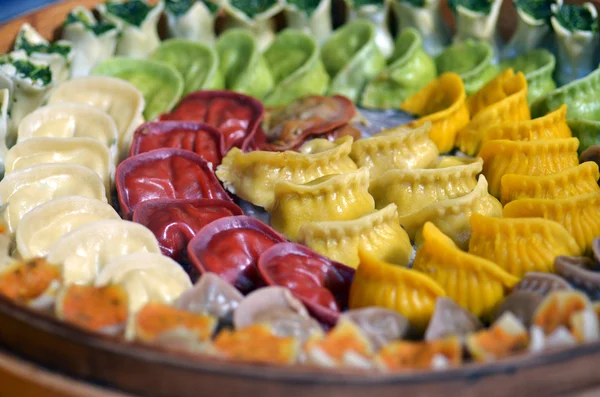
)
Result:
{"points": [[380, 325], [449, 319], [522, 304]]}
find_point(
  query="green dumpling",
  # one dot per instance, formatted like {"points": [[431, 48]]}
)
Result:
{"points": [[409, 70], [538, 68], [588, 132], [352, 58]]}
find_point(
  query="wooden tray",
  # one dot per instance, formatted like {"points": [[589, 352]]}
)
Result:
{"points": [[56, 347]]}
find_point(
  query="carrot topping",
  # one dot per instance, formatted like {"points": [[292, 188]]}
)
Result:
{"points": [[404, 355], [94, 308], [154, 319], [27, 280]]}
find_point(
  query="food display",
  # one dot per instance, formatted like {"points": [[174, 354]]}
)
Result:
{"points": [[241, 190]]}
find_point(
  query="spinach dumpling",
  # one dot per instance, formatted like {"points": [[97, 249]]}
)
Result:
{"points": [[312, 17], [190, 19], [538, 67], [254, 16], [533, 27], [426, 17], [376, 11]]}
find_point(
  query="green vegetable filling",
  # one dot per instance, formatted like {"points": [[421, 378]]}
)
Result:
{"points": [[252, 7], [537, 9], [481, 6], [363, 3], [30, 48], [574, 17], [415, 3], [307, 6], [134, 12], [97, 28], [180, 7], [26, 69]]}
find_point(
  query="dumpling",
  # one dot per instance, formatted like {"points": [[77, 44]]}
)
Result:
{"points": [[476, 284], [521, 245], [192, 20], [4, 102], [313, 18], [254, 18], [251, 176], [426, 17], [86, 250], [587, 131], [532, 28], [395, 148], [452, 216], [580, 214], [41, 227], [378, 13], [567, 183], [543, 157], [378, 233], [329, 198], [120, 99], [415, 189], [428, 355], [25, 189], [538, 67], [476, 21], [443, 103]]}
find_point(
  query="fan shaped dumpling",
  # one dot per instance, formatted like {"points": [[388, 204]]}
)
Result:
{"points": [[329, 198], [84, 252], [41, 227], [538, 67], [25, 189], [476, 284], [251, 176], [378, 233], [521, 245]]}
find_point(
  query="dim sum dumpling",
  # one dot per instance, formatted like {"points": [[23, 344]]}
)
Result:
{"points": [[4, 101]]}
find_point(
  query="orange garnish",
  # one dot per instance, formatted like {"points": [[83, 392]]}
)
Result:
{"points": [[406, 355], [557, 308], [94, 308], [27, 280], [506, 337], [345, 337], [155, 319]]}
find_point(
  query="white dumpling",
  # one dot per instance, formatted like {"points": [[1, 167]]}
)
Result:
{"points": [[25, 189], [197, 23], [41, 227], [120, 99], [84, 252], [4, 101]]}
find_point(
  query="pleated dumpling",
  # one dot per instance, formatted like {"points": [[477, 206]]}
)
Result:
{"points": [[567, 183], [41, 227], [330, 198], [543, 157], [406, 291], [443, 103], [414, 189], [538, 67], [251, 176], [378, 233], [398, 147], [25, 189], [521, 245], [587, 131], [474, 283], [503, 99], [84, 252], [452, 215], [580, 214]]}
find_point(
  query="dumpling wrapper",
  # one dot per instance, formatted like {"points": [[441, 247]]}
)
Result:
{"points": [[426, 17], [533, 27], [378, 13], [4, 102], [313, 17], [538, 67], [476, 20], [254, 17], [192, 20], [587, 131]]}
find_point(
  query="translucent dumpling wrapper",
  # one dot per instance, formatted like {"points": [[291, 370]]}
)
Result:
{"points": [[243, 65], [398, 147], [426, 17], [406, 291], [421, 355], [92, 41], [451, 216], [538, 67], [587, 131], [295, 63], [581, 272], [137, 22], [476, 284], [521, 245], [381, 326], [120, 99], [25, 189], [443, 103], [377, 12], [409, 69], [503, 99], [197, 63], [329, 198], [192, 20], [251, 176], [580, 214], [254, 17], [41, 227], [263, 300], [543, 157], [450, 319], [522, 303], [352, 58], [476, 20], [378, 234], [506, 337], [312, 17]]}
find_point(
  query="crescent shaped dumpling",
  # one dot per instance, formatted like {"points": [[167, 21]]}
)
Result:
{"points": [[474, 283], [414, 189], [521, 245], [251, 176], [443, 103], [83, 252], [503, 99], [120, 99], [541, 157], [41, 227], [395, 148], [580, 214], [330, 198], [452, 215], [378, 233], [567, 183], [25, 189], [406, 291]]}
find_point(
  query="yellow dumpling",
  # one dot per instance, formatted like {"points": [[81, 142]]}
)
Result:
{"points": [[567, 183], [502, 99], [580, 214], [474, 283], [395, 148], [251, 176], [542, 157], [521, 245], [411, 293], [329, 198], [378, 233]]}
